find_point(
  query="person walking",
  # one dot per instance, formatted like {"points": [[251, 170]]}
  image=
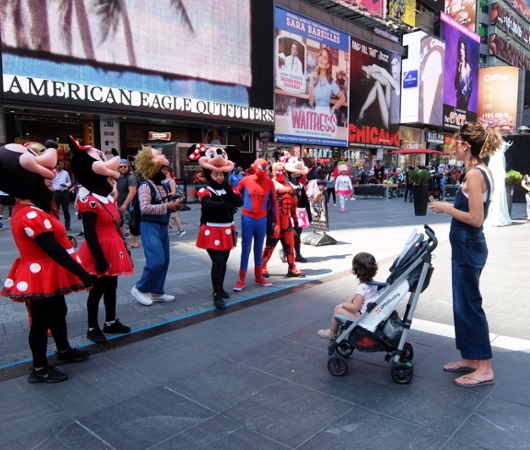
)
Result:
{"points": [[126, 184], [469, 253], [171, 185], [525, 184], [61, 184], [343, 186]]}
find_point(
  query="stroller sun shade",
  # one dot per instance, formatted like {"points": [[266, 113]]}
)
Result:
{"points": [[412, 248]]}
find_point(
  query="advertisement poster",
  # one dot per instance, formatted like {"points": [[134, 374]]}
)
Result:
{"points": [[462, 49], [312, 84], [110, 135], [376, 96], [463, 11], [158, 56], [372, 7], [403, 10], [497, 102]]}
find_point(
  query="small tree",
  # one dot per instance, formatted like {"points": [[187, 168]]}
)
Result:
{"points": [[513, 178], [420, 177]]}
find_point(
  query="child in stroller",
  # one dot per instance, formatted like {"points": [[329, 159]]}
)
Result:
{"points": [[364, 266], [380, 328]]}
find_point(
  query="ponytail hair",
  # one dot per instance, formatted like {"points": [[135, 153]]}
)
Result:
{"points": [[483, 142]]}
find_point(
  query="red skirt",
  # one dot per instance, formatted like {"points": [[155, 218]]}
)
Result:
{"points": [[216, 236]]}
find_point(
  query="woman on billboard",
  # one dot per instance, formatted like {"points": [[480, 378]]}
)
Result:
{"points": [[386, 91], [463, 80], [322, 85]]}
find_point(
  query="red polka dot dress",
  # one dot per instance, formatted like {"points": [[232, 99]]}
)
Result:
{"points": [[110, 240], [34, 274]]}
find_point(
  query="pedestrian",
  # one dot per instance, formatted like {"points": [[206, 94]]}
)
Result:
{"points": [[156, 206], [409, 193], [469, 252], [126, 184], [103, 253], [45, 271], [6, 200], [235, 178], [343, 186], [525, 183], [217, 234], [171, 185], [61, 184]]}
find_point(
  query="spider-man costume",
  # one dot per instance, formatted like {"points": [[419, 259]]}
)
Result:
{"points": [[258, 199], [287, 202]]}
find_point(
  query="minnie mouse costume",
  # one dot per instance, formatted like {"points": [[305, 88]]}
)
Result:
{"points": [[103, 254], [219, 203], [46, 269]]}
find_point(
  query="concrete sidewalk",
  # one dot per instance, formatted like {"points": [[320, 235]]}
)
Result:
{"points": [[256, 377]]}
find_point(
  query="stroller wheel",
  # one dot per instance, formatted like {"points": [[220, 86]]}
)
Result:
{"points": [[408, 353], [337, 366], [402, 372], [344, 349]]}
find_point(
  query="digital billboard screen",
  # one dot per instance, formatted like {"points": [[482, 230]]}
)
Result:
{"points": [[497, 101], [160, 56], [312, 85], [376, 93], [423, 79], [462, 52], [372, 7], [463, 11]]}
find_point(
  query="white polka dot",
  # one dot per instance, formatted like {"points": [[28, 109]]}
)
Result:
{"points": [[47, 224], [31, 215], [121, 255], [35, 268], [78, 259], [207, 232], [29, 232], [22, 286], [202, 190], [9, 283], [228, 231], [217, 242]]}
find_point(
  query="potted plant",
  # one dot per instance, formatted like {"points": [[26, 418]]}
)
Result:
{"points": [[421, 179], [513, 178]]}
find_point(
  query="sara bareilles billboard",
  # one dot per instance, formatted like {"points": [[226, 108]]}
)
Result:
{"points": [[462, 51], [158, 56], [311, 81]]}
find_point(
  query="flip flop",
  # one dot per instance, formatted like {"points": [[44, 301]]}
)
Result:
{"points": [[478, 382], [459, 368], [132, 246]]}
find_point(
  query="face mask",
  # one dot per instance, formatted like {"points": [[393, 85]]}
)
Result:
{"points": [[260, 168]]}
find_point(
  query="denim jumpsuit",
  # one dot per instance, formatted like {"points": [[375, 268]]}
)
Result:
{"points": [[469, 254]]}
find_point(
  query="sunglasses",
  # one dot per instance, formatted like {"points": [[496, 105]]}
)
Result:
{"points": [[122, 167]]}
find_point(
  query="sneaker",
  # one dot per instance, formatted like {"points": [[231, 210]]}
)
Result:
{"points": [[2, 226], [144, 299], [300, 259], [117, 328], [181, 233], [224, 294], [127, 235], [95, 335], [50, 374], [295, 274], [81, 234], [71, 355], [1, 216], [218, 302], [162, 297], [68, 229], [353, 199], [327, 334]]}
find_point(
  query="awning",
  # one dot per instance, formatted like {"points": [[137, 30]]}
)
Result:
{"points": [[408, 151]]}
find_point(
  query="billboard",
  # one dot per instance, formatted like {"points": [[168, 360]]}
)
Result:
{"points": [[403, 10], [423, 79], [160, 57], [375, 96], [372, 7], [463, 11], [312, 84], [497, 102], [462, 51]]}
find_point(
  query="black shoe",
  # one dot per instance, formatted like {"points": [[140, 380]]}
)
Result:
{"points": [[117, 327], [265, 275], [301, 259], [298, 274], [81, 234], [224, 294], [68, 229], [95, 335], [218, 302], [71, 355], [50, 374]]}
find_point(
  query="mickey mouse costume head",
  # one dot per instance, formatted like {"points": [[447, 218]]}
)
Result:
{"points": [[213, 158]]}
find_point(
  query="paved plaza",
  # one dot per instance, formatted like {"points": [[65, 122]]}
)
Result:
{"points": [[254, 376]]}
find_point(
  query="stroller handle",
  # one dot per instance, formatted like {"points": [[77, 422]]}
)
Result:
{"points": [[432, 238]]}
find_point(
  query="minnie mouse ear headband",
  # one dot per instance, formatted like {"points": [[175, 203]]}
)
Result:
{"points": [[213, 157], [296, 164]]}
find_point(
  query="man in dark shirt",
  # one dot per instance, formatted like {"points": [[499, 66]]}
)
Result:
{"points": [[126, 185]]}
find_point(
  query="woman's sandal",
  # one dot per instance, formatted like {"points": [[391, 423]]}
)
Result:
{"points": [[326, 334], [132, 246]]}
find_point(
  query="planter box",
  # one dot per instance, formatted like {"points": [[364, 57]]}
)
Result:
{"points": [[421, 199]]}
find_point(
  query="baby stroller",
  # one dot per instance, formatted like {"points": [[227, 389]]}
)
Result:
{"points": [[380, 329]]}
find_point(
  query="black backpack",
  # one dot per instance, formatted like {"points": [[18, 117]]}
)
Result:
{"points": [[135, 216]]}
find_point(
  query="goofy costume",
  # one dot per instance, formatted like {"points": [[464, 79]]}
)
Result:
{"points": [[258, 200], [103, 254], [287, 202], [217, 234]]}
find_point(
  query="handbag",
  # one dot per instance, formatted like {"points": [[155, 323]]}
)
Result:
{"points": [[303, 219]]}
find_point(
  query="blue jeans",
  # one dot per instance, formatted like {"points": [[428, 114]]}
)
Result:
{"points": [[155, 241], [252, 229], [469, 255]]}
